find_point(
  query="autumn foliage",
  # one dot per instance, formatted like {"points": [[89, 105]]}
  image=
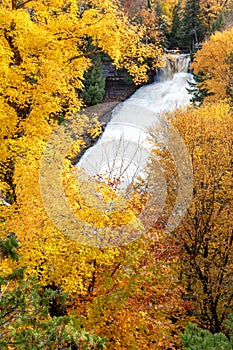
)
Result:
{"points": [[206, 231], [137, 302], [142, 295], [215, 62], [39, 81]]}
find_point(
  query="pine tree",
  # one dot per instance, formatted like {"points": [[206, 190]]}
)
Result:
{"points": [[174, 35], [25, 318], [196, 338], [192, 28], [94, 82], [162, 23], [198, 94]]}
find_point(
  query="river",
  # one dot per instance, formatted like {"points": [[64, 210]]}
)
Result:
{"points": [[125, 165], [122, 149]]}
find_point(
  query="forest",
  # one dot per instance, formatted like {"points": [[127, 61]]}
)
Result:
{"points": [[162, 290]]}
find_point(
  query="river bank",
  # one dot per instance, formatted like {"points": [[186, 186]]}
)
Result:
{"points": [[104, 113]]}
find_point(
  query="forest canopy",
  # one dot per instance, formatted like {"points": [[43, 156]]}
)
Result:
{"points": [[144, 295]]}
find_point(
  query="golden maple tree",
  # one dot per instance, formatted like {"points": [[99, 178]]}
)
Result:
{"points": [[210, 10], [214, 61], [137, 301], [206, 230], [44, 58]]}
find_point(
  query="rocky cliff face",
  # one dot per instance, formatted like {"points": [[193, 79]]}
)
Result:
{"points": [[119, 86], [118, 90]]}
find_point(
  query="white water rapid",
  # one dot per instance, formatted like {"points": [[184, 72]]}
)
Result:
{"points": [[121, 150], [137, 195]]}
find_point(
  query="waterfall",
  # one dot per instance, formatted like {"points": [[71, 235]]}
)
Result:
{"points": [[174, 64], [122, 179], [132, 119], [124, 156]]}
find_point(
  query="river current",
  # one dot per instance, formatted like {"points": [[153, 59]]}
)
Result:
{"points": [[122, 178], [122, 149]]}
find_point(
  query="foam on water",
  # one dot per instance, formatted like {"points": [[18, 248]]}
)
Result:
{"points": [[132, 119]]}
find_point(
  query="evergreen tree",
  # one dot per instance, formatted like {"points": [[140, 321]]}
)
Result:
{"points": [[218, 24], [149, 4], [192, 28], [25, 318], [162, 23], [94, 82], [174, 35], [196, 338], [198, 94]]}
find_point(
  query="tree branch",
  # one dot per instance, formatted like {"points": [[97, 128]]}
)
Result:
{"points": [[21, 4]]}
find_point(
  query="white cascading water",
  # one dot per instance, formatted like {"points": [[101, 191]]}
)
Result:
{"points": [[122, 158], [116, 153]]}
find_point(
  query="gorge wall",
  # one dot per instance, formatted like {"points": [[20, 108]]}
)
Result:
{"points": [[119, 86]]}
